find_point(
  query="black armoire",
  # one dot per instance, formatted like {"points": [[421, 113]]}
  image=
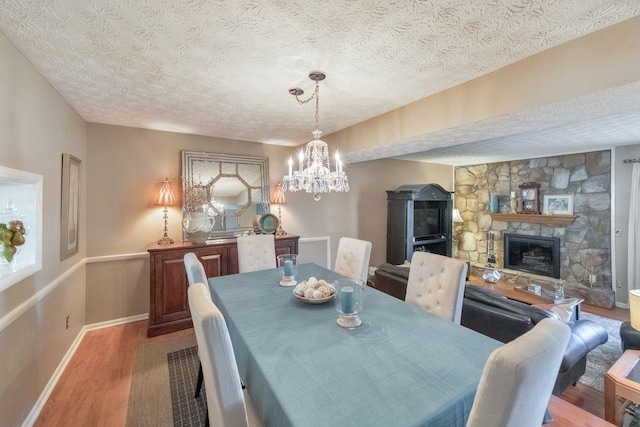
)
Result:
{"points": [[418, 219]]}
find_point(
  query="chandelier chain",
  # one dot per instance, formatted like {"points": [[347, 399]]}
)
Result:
{"points": [[313, 95]]}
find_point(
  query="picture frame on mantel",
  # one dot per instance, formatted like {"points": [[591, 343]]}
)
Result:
{"points": [[558, 204], [70, 206]]}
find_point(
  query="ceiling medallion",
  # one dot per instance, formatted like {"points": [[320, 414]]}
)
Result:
{"points": [[314, 173]]}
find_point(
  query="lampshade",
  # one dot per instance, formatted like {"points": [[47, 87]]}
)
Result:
{"points": [[277, 198], [165, 198], [456, 216], [634, 308]]}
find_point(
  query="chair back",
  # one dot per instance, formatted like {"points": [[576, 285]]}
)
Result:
{"points": [[256, 252], [518, 378], [436, 284], [195, 269], [225, 400], [352, 260]]}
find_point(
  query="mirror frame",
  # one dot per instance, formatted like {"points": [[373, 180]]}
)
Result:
{"points": [[188, 159]]}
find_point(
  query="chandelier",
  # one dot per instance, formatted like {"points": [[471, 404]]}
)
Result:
{"points": [[314, 173]]}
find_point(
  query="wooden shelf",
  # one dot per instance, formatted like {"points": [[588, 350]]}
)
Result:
{"points": [[551, 220]]}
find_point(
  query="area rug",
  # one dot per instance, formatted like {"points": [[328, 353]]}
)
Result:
{"points": [[600, 359], [162, 385]]}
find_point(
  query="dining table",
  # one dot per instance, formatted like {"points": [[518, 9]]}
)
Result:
{"points": [[402, 367]]}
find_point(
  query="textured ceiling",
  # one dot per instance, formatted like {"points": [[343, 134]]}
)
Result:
{"points": [[223, 68]]}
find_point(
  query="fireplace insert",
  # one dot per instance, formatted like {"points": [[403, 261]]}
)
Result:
{"points": [[532, 254]]}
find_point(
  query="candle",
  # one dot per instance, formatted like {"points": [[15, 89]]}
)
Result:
{"points": [[493, 204], [513, 194], [290, 166], [301, 160], [592, 278], [288, 268], [347, 300], [337, 161]]}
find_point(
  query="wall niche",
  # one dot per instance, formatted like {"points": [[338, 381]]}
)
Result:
{"points": [[585, 243]]}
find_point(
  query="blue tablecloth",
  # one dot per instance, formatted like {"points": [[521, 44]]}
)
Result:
{"points": [[402, 367]]}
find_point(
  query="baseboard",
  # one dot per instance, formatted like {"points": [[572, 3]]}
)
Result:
{"points": [[115, 322], [44, 396]]}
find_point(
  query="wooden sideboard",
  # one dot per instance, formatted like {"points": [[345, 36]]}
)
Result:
{"points": [[169, 308]]}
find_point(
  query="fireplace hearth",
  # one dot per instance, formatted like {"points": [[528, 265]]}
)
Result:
{"points": [[532, 254]]}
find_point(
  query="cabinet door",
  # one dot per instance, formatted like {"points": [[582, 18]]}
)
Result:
{"points": [[214, 260], [170, 288], [169, 309], [286, 246]]}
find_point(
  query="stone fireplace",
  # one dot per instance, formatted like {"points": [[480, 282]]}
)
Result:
{"points": [[531, 254], [585, 243]]}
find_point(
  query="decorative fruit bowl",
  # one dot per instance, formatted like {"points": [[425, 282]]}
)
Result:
{"points": [[314, 291], [12, 234], [11, 238]]}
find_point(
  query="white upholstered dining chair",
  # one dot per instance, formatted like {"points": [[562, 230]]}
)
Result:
{"points": [[436, 284], [518, 378], [352, 260], [196, 274], [195, 269], [227, 404], [256, 252]]}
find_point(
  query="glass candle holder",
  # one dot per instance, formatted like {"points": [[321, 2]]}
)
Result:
{"points": [[349, 299], [559, 288], [288, 264]]}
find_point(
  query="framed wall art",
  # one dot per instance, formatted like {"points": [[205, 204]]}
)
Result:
{"points": [[559, 204], [70, 206]]}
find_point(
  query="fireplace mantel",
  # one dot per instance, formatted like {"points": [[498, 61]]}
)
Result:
{"points": [[550, 220]]}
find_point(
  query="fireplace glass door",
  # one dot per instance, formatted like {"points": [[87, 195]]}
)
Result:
{"points": [[532, 254]]}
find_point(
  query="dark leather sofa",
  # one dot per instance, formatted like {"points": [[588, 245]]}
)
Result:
{"points": [[392, 280], [503, 319]]}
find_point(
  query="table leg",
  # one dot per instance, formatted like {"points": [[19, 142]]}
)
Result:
{"points": [[610, 400]]}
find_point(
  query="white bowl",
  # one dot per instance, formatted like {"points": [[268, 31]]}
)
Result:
{"points": [[314, 300]]}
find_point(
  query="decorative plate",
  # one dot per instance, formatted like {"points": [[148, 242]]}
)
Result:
{"points": [[269, 223], [313, 300]]}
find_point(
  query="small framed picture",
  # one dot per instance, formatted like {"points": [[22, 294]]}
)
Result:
{"points": [[69, 216], [560, 204]]}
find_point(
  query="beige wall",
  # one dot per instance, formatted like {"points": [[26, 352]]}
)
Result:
{"points": [[36, 127], [127, 166]]}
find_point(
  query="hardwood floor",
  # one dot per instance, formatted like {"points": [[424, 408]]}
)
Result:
{"points": [[94, 389]]}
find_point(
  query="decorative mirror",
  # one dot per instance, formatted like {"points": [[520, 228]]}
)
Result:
{"points": [[224, 192]]}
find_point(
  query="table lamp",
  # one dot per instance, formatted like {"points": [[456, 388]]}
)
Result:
{"points": [[165, 198], [634, 308], [457, 224], [278, 199]]}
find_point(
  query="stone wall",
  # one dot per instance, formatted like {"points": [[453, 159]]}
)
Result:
{"points": [[585, 244]]}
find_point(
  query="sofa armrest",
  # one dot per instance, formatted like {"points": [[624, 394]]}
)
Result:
{"points": [[585, 336], [485, 319]]}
